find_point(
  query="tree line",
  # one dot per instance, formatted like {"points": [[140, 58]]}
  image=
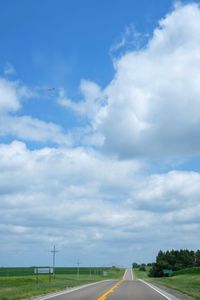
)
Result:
{"points": [[174, 260]]}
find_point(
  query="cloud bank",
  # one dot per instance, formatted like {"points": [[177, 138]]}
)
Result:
{"points": [[76, 198]]}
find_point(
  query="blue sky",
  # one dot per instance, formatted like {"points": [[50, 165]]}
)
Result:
{"points": [[99, 130], [65, 41], [57, 44]]}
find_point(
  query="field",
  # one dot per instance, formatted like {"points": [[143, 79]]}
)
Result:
{"points": [[141, 274], [58, 270], [26, 286], [186, 281]]}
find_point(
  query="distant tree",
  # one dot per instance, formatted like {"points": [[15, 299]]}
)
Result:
{"points": [[135, 265], [142, 268], [174, 260], [197, 258]]}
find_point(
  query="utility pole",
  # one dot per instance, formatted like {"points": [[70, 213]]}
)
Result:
{"points": [[90, 271], [78, 264], [54, 251]]}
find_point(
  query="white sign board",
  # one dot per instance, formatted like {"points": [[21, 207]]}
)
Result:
{"points": [[105, 273], [42, 270]]}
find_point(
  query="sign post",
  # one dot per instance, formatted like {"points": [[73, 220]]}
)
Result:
{"points": [[43, 271]]}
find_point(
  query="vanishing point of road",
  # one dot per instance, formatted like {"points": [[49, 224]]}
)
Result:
{"points": [[126, 289]]}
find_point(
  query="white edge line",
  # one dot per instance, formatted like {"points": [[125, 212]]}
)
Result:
{"points": [[125, 273], [155, 289], [70, 290], [132, 273]]}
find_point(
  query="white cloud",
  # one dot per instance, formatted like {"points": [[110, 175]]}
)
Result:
{"points": [[153, 101], [9, 101], [92, 100], [12, 94], [32, 129], [152, 107], [130, 40], [77, 197], [91, 202], [170, 191]]}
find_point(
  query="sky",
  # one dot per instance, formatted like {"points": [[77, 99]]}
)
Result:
{"points": [[99, 130]]}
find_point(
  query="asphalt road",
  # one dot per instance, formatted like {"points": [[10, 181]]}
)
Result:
{"points": [[134, 290], [128, 275], [92, 292], [126, 289]]}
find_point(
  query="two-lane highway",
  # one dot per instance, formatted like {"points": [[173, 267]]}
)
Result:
{"points": [[90, 292], [126, 289], [128, 275]]}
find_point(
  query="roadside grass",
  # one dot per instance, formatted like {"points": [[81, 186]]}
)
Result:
{"points": [[186, 281], [141, 274], [187, 284], [189, 271], [26, 287]]}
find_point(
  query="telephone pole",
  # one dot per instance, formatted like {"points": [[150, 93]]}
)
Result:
{"points": [[78, 264], [54, 251]]}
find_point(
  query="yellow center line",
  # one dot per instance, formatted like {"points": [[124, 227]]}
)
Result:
{"points": [[111, 290]]}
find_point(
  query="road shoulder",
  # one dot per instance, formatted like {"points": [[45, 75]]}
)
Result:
{"points": [[178, 295]]}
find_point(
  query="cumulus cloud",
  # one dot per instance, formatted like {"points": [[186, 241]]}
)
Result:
{"points": [[92, 100], [153, 101], [59, 189], [8, 96], [12, 94], [170, 191], [151, 107], [31, 129], [77, 197]]}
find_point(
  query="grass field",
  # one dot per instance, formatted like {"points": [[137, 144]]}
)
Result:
{"points": [[25, 287], [59, 270], [186, 281], [141, 274]]}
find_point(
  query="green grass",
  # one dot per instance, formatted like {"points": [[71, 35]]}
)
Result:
{"points": [[59, 270], [16, 271], [25, 287], [186, 281], [189, 271], [187, 284], [141, 274]]}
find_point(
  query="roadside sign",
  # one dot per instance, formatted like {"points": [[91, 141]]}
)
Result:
{"points": [[105, 273], [167, 272], [43, 270]]}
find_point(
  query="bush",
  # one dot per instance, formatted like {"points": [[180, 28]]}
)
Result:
{"points": [[142, 268]]}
